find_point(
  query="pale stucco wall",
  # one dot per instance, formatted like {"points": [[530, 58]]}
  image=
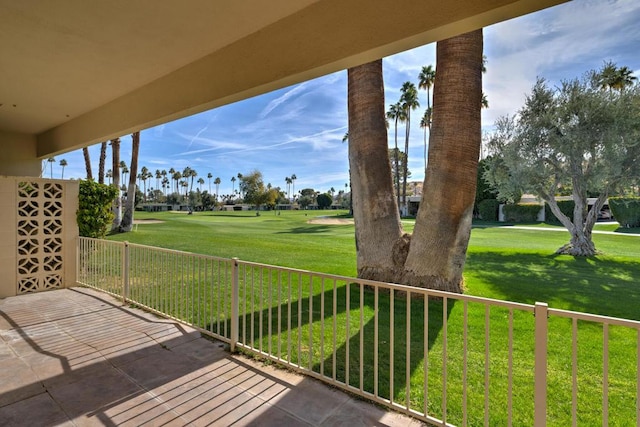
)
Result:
{"points": [[19, 155]]}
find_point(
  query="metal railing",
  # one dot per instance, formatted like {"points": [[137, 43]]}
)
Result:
{"points": [[418, 351]]}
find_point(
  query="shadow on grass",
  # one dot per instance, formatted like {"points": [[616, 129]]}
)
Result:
{"points": [[309, 229], [347, 353], [595, 285]]}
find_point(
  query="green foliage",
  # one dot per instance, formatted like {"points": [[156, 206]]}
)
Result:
{"points": [[488, 209], [566, 207], [255, 192], [94, 214], [324, 201], [626, 210], [521, 212]]}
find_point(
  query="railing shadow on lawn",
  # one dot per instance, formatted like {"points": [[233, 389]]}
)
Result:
{"points": [[329, 359]]}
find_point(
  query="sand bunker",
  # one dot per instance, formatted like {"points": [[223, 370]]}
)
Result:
{"points": [[147, 221], [330, 221]]}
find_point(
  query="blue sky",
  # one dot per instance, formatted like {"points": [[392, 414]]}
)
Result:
{"points": [[298, 130]]}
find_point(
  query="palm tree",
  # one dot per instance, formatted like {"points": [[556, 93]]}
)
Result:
{"points": [[109, 175], [233, 183], [397, 114], [209, 176], [123, 165], [427, 78], [443, 222], [127, 217], [377, 220], [101, 162], [293, 185], [200, 183], [288, 181], [87, 162], [116, 164], [144, 172], [51, 161], [425, 123], [63, 163], [158, 176], [613, 77], [176, 177], [217, 183], [409, 100]]}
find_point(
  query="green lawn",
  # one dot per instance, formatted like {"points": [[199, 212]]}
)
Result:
{"points": [[502, 263]]}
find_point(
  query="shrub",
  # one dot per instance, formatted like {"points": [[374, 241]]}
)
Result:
{"points": [[626, 210], [488, 209], [566, 207], [521, 212], [94, 214]]}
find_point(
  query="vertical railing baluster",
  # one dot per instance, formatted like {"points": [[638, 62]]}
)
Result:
{"points": [[289, 358], [270, 310], [540, 368], [408, 353], [510, 372], [425, 383], [376, 332], [347, 332], [361, 337], [335, 330], [125, 272], [574, 372], [465, 331], [234, 304], [487, 331], [391, 342], [605, 374], [322, 326], [310, 367], [445, 310]]}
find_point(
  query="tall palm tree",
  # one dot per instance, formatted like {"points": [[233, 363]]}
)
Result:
{"points": [[109, 175], [176, 177], [376, 215], [293, 185], [87, 162], [127, 217], [158, 176], [63, 164], [409, 100], [426, 79], [233, 184], [217, 182], [123, 166], [115, 165], [288, 181], [144, 172], [209, 176], [397, 114], [443, 222], [51, 161], [200, 183], [101, 162]]}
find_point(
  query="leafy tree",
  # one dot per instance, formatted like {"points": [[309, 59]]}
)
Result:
{"points": [[578, 135], [324, 201], [94, 208], [254, 189]]}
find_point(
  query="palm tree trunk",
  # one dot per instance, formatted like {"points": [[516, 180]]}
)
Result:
{"points": [[375, 211], [115, 167], [103, 158], [405, 168], [443, 225], [127, 217], [87, 162]]}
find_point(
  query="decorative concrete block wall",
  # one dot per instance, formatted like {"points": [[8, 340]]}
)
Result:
{"points": [[38, 234]]}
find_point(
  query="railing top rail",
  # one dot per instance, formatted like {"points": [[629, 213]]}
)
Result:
{"points": [[594, 318], [398, 287]]}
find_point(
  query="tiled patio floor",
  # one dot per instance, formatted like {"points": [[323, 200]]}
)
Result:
{"points": [[78, 357]]}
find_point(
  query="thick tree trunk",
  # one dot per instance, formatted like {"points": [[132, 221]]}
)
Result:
{"points": [[439, 243], [115, 167], [127, 216], [87, 162], [375, 210], [103, 158], [581, 228]]}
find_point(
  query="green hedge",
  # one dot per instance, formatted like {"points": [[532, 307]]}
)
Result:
{"points": [[488, 209], [94, 214], [626, 210], [521, 212], [566, 207]]}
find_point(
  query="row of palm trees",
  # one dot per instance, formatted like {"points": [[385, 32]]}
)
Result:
{"points": [[400, 112]]}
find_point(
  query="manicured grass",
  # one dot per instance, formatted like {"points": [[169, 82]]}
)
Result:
{"points": [[502, 263]]}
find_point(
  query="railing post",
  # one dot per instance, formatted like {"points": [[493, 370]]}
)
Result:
{"points": [[540, 371], [125, 272], [235, 289]]}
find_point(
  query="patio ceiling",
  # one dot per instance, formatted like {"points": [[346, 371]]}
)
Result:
{"points": [[73, 73]]}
